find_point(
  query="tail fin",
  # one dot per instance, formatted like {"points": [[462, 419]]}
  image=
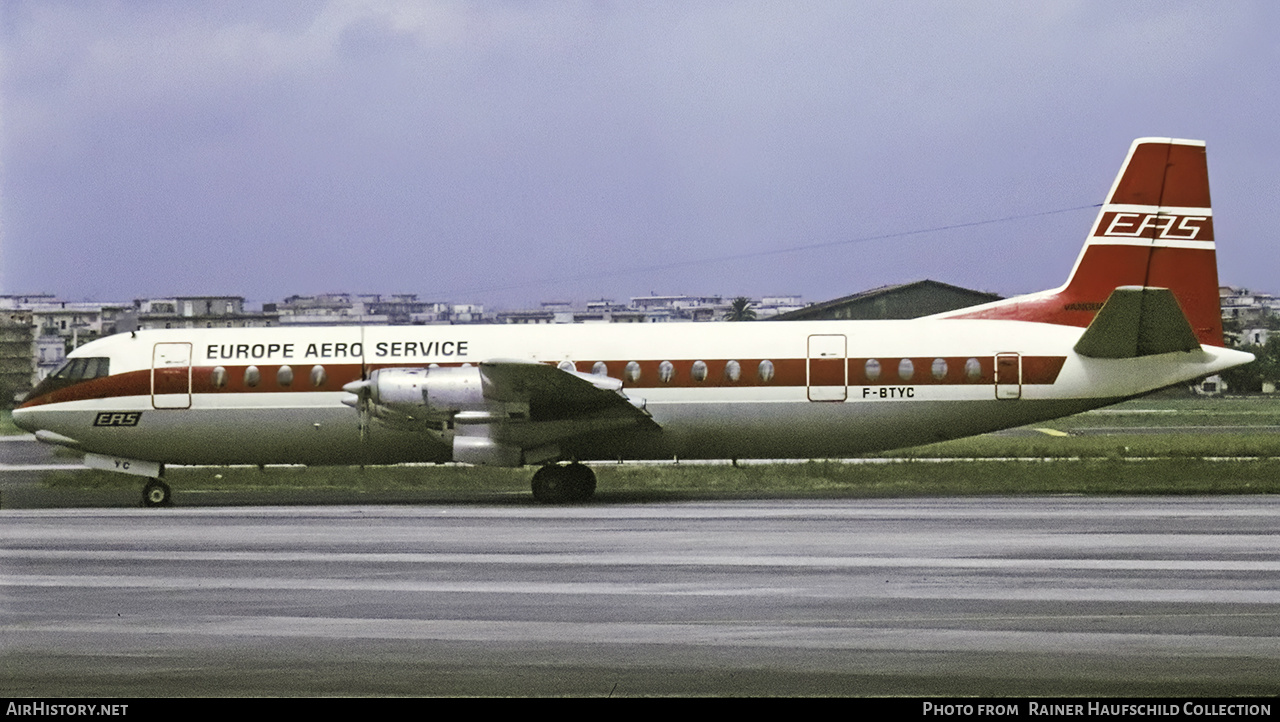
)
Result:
{"points": [[1155, 229]]}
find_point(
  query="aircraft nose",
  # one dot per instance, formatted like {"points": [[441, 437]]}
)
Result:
{"points": [[22, 418]]}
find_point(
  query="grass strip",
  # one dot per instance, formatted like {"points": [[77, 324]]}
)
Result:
{"points": [[1177, 445], [960, 478], [1100, 453], [6, 424], [813, 478]]}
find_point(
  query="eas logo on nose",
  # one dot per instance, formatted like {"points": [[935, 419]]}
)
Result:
{"points": [[117, 418]]}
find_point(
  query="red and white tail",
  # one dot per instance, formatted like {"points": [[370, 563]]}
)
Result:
{"points": [[1155, 229]]}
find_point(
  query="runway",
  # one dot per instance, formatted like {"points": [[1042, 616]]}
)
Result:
{"points": [[985, 596]]}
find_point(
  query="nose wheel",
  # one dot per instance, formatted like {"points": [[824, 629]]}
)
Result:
{"points": [[156, 493], [568, 484]]}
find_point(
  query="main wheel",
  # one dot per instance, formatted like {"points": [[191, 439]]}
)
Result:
{"points": [[581, 482], [548, 484], [555, 484], [156, 493]]}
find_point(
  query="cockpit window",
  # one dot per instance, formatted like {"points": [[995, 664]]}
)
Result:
{"points": [[83, 369], [74, 371]]}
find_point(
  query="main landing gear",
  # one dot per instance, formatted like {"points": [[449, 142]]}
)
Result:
{"points": [[156, 493], [556, 484]]}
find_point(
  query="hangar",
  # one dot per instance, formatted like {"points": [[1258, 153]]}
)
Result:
{"points": [[901, 301]]}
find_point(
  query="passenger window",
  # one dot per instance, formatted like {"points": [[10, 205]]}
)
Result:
{"points": [[666, 370], [872, 369], [939, 368], [284, 376], [219, 377], [906, 369], [600, 369], [699, 371], [765, 371], [732, 371], [318, 376], [252, 376], [566, 365], [632, 372], [973, 369]]}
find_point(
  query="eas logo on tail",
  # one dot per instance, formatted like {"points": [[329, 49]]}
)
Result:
{"points": [[1163, 226]]}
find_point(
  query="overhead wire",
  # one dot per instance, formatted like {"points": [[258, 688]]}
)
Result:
{"points": [[765, 253]]}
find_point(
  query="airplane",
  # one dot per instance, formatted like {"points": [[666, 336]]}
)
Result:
{"points": [[1138, 312]]}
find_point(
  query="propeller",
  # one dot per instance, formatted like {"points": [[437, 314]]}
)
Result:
{"points": [[360, 401], [362, 391]]}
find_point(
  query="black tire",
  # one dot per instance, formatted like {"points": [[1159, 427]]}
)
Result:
{"points": [[555, 484], [582, 482], [548, 484], [156, 493]]}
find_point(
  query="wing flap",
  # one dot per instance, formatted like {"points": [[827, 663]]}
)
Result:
{"points": [[565, 408], [554, 394]]}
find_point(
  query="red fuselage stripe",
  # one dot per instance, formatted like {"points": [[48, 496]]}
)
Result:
{"points": [[786, 373]]}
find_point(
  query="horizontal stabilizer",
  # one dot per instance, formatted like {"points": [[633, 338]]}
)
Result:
{"points": [[1138, 321]]}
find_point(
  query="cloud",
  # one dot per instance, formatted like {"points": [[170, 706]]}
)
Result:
{"points": [[453, 147]]}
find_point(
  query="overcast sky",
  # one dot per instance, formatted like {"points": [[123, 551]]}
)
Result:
{"points": [[513, 152]]}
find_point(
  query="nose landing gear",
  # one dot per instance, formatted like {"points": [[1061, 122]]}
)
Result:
{"points": [[156, 493], [568, 484]]}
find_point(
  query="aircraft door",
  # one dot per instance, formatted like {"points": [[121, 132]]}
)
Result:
{"points": [[828, 371], [1008, 376], [171, 376]]}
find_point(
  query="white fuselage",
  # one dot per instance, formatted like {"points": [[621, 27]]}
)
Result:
{"points": [[716, 390]]}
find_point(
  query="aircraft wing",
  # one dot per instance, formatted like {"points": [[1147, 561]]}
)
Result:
{"points": [[554, 394], [566, 410], [504, 413]]}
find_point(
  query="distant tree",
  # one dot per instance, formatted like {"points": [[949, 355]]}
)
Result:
{"points": [[741, 310], [1269, 359], [1231, 331], [1245, 379], [1248, 379]]}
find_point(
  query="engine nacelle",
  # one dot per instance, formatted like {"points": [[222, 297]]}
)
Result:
{"points": [[438, 397], [435, 392], [483, 414]]}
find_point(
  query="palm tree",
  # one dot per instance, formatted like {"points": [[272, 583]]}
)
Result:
{"points": [[741, 310]]}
